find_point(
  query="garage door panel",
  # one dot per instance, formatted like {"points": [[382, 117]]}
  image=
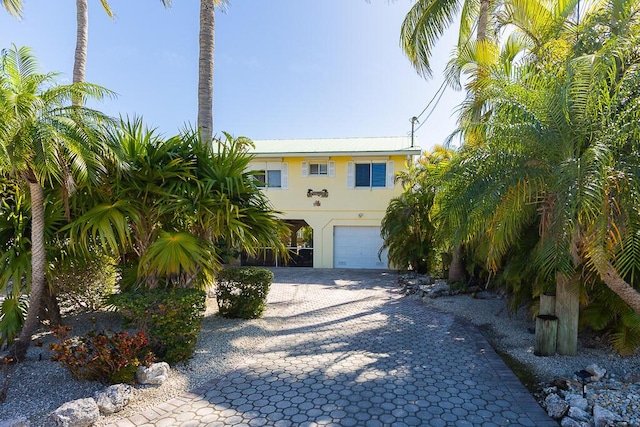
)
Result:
{"points": [[357, 247]]}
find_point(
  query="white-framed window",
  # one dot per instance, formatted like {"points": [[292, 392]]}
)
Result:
{"points": [[371, 174], [318, 168], [271, 174]]}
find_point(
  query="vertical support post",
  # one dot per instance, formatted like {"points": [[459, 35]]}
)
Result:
{"points": [[567, 310]]}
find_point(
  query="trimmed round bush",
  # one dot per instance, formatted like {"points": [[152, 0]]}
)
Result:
{"points": [[241, 292]]}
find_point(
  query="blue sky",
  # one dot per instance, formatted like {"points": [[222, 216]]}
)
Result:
{"points": [[283, 68]]}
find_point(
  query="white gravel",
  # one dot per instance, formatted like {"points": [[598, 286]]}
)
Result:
{"points": [[512, 334]]}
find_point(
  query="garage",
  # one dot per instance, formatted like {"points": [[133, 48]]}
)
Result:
{"points": [[357, 247]]}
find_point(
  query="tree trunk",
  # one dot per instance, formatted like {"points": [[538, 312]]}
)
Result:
{"points": [[205, 69], [567, 312], [457, 272], [50, 309], [483, 19], [82, 40], [617, 284], [38, 260]]}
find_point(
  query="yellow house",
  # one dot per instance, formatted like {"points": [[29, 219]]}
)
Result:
{"points": [[339, 189]]}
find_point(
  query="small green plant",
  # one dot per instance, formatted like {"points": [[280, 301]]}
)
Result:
{"points": [[108, 357], [171, 318], [12, 313], [242, 292]]}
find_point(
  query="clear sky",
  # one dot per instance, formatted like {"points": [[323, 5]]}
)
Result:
{"points": [[283, 68]]}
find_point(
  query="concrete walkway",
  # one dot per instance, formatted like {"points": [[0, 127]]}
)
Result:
{"points": [[353, 352]]}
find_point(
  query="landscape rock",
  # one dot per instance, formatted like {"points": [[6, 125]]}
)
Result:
{"points": [[157, 373], [77, 413], [114, 398], [556, 406], [578, 402], [570, 422], [603, 417], [15, 422], [596, 372], [578, 414]]}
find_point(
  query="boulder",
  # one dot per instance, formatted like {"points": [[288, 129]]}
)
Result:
{"points": [[556, 406], [157, 373], [114, 398], [603, 417], [77, 413], [577, 402], [578, 414], [596, 372]]}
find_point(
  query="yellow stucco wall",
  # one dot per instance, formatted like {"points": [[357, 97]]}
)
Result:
{"points": [[343, 206]]}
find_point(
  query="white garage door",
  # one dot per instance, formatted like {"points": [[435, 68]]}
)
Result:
{"points": [[357, 247]]}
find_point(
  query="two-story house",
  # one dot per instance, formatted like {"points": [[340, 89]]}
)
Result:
{"points": [[337, 190]]}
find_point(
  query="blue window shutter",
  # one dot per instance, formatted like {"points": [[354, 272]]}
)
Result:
{"points": [[378, 175]]}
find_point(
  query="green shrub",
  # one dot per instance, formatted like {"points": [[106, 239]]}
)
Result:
{"points": [[171, 318], [242, 292], [84, 284], [108, 357]]}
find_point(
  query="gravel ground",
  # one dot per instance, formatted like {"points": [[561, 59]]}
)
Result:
{"points": [[513, 335], [39, 386]]}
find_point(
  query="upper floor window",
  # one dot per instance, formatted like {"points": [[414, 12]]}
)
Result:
{"points": [[318, 168], [269, 178], [270, 174], [371, 174]]}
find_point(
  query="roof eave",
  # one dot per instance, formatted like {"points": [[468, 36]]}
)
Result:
{"points": [[405, 152]]}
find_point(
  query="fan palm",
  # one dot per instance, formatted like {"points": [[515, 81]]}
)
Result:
{"points": [[41, 138]]}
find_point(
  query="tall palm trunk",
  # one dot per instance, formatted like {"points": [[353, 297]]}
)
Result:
{"points": [[82, 40], [38, 260], [457, 271], [205, 69], [483, 19]]}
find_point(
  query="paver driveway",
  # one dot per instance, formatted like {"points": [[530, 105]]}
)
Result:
{"points": [[353, 352]]}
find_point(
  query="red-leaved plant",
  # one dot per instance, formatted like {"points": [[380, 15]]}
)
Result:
{"points": [[108, 357]]}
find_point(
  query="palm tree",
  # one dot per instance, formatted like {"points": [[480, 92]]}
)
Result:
{"points": [[14, 7], [82, 40], [428, 20], [205, 67], [41, 137], [176, 205]]}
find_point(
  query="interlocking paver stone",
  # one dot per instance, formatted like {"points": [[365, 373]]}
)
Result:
{"points": [[352, 351]]}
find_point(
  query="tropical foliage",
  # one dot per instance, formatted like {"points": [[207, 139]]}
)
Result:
{"points": [[544, 191], [45, 144]]}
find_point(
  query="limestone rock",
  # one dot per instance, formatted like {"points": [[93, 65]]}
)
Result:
{"points": [[578, 414], [157, 373], [596, 372], [77, 413], [556, 406], [577, 402], [603, 417], [570, 422], [114, 398]]}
